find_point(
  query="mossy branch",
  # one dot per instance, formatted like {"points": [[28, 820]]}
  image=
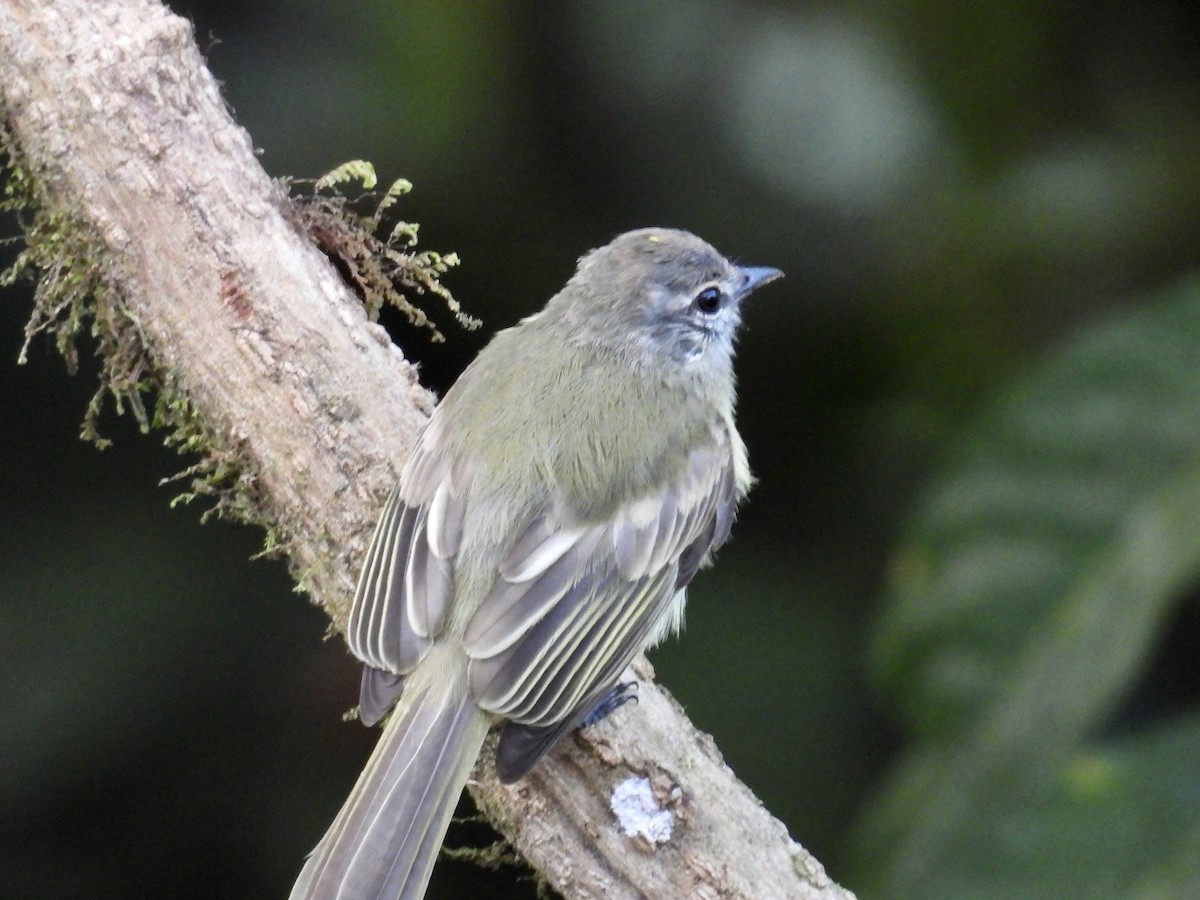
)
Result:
{"points": [[157, 228]]}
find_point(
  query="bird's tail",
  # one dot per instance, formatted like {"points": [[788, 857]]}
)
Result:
{"points": [[385, 840]]}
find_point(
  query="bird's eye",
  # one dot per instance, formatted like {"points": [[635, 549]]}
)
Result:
{"points": [[708, 301]]}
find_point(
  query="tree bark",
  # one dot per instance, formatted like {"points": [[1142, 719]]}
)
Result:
{"points": [[114, 114]]}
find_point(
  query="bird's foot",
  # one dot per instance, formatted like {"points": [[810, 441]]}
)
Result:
{"points": [[621, 694]]}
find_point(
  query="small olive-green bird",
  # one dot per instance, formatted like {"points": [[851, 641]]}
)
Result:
{"points": [[555, 508]]}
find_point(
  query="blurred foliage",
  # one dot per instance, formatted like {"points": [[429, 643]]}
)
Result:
{"points": [[1027, 595], [954, 643]]}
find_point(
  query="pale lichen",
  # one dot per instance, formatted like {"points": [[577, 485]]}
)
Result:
{"points": [[638, 812]]}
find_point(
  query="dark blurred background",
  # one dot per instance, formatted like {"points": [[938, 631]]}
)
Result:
{"points": [[952, 190]]}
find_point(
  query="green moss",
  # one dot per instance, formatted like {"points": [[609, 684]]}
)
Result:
{"points": [[493, 856], [383, 270], [71, 293], [496, 854], [77, 293]]}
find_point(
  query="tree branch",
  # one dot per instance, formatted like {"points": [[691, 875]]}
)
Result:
{"points": [[250, 336]]}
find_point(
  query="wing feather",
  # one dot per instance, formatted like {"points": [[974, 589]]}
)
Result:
{"points": [[513, 606], [571, 604], [523, 741], [539, 547], [569, 612], [361, 627], [428, 580], [446, 514], [505, 682], [612, 641], [395, 647], [405, 590]]}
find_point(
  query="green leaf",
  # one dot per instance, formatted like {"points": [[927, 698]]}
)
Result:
{"points": [[1030, 588], [1117, 820], [1067, 488], [1178, 874]]}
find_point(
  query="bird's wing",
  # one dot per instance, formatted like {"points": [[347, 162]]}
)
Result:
{"points": [[406, 584], [572, 606]]}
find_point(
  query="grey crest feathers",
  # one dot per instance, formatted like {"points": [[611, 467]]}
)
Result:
{"points": [[555, 508]]}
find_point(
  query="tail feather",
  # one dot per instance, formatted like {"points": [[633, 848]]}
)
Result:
{"points": [[385, 840]]}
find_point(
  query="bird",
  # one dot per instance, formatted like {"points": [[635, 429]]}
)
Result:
{"points": [[543, 532]]}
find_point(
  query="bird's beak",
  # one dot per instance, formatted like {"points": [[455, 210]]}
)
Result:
{"points": [[754, 277]]}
